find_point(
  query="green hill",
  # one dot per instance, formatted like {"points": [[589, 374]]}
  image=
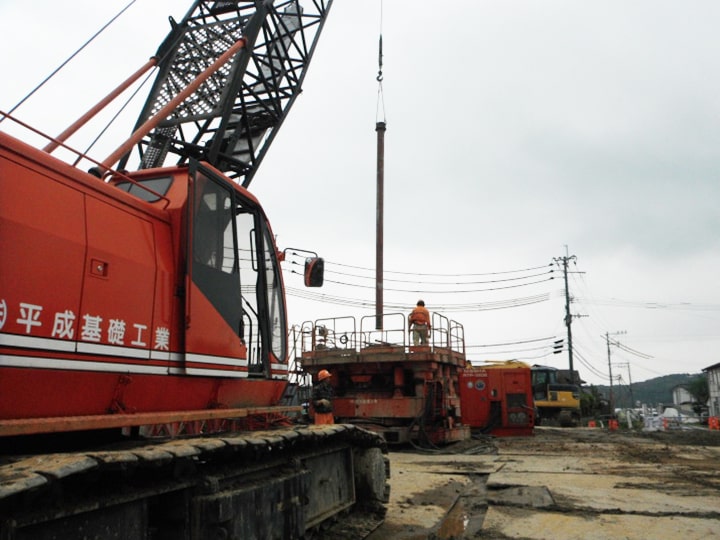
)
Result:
{"points": [[651, 392]]}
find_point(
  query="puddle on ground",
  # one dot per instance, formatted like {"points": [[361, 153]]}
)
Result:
{"points": [[465, 518]]}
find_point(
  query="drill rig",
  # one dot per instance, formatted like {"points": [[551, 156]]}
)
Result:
{"points": [[407, 393]]}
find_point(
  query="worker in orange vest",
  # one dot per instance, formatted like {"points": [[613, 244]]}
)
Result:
{"points": [[420, 323], [322, 395]]}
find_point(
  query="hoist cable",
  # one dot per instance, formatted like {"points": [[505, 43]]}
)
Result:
{"points": [[23, 100], [380, 98]]}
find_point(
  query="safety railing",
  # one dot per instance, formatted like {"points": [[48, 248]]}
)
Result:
{"points": [[340, 334], [392, 333]]}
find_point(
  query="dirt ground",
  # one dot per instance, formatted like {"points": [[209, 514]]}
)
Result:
{"points": [[573, 483]]}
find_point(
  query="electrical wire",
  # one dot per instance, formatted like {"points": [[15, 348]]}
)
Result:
{"points": [[523, 342], [464, 307], [425, 291], [684, 306], [57, 69], [330, 263], [333, 272], [515, 353], [590, 367], [595, 319], [633, 351], [512, 351], [508, 349]]}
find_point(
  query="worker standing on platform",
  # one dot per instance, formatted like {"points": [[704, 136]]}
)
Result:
{"points": [[420, 323], [322, 395]]}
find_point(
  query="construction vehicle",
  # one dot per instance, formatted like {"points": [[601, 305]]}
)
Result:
{"points": [[151, 304], [406, 393], [556, 402], [496, 398], [423, 395]]}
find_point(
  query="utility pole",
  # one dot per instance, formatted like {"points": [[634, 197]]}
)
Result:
{"points": [[632, 398], [607, 340], [563, 261]]}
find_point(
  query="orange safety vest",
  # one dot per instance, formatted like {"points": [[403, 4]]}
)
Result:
{"points": [[324, 418], [420, 315]]}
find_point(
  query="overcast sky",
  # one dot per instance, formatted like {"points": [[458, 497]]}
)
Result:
{"points": [[517, 133]]}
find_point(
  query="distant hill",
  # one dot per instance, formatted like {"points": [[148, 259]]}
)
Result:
{"points": [[651, 392]]}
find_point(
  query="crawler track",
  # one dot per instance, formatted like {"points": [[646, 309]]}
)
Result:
{"points": [[272, 484]]}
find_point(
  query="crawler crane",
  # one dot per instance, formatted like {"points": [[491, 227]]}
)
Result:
{"points": [[151, 304]]}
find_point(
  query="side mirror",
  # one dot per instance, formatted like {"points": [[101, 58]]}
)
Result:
{"points": [[314, 271]]}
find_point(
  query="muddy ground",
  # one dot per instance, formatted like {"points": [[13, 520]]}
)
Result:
{"points": [[559, 484]]}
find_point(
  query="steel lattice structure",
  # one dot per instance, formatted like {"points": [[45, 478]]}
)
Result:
{"points": [[231, 120]]}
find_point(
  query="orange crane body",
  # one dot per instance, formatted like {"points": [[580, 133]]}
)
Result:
{"points": [[100, 316]]}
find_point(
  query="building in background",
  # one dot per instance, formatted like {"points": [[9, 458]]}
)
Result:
{"points": [[683, 400], [713, 377]]}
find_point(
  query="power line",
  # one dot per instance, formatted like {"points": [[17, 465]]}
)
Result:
{"points": [[511, 351], [425, 291], [548, 338], [464, 307], [331, 263], [585, 362], [334, 272], [684, 306], [423, 284], [511, 356], [514, 351], [596, 320], [633, 351]]}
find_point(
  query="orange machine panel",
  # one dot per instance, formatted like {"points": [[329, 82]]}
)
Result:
{"points": [[42, 241], [497, 399], [119, 279]]}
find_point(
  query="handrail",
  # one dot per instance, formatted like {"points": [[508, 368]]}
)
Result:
{"points": [[114, 173], [344, 334]]}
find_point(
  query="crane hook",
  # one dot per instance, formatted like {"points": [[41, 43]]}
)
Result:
{"points": [[379, 77]]}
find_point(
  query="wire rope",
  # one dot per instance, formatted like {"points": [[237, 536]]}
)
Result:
{"points": [[67, 60]]}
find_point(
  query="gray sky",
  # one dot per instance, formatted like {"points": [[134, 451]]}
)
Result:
{"points": [[515, 129]]}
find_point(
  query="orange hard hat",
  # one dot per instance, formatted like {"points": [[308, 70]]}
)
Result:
{"points": [[323, 374]]}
